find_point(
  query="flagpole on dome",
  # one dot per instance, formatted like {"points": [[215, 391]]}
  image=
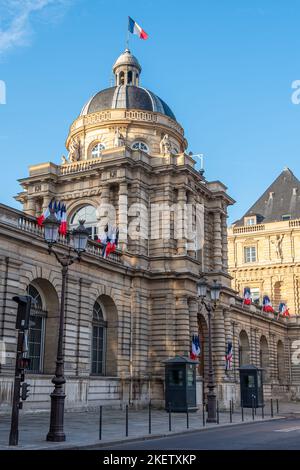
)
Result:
{"points": [[127, 34]]}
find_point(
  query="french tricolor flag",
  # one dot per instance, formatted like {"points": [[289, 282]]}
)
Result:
{"points": [[134, 28], [45, 214]]}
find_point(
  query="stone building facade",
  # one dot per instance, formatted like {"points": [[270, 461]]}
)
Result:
{"points": [[126, 314]]}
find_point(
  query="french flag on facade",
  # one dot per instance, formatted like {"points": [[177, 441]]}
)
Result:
{"points": [[195, 352], [228, 356], [283, 310], [247, 296], [62, 218], [267, 305], [45, 214], [134, 28]]}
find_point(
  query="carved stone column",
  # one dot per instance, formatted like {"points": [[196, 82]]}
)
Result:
{"points": [[31, 206], [218, 343], [193, 309], [224, 243], [181, 222], [123, 213], [217, 231], [182, 332]]}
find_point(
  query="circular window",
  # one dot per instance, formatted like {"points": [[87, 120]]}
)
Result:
{"points": [[97, 150], [140, 146]]}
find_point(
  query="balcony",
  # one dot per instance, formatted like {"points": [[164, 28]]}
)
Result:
{"points": [[249, 228], [25, 223]]}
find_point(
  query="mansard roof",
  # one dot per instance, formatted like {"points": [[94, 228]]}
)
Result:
{"points": [[282, 198]]}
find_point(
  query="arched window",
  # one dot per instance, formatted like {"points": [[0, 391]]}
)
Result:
{"points": [[129, 77], [121, 78], [36, 332], [87, 213], [244, 349], [140, 146], [98, 340], [97, 150]]}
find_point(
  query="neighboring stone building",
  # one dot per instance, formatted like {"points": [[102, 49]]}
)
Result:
{"points": [[127, 313], [264, 245]]}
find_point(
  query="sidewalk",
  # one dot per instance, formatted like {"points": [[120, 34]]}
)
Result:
{"points": [[82, 428]]}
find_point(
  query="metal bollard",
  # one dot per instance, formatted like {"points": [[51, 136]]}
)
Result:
{"points": [[126, 420], [277, 405], [262, 411], [242, 411], [272, 411], [187, 417], [170, 418], [203, 414], [218, 413], [230, 411], [100, 424], [150, 418], [253, 407]]}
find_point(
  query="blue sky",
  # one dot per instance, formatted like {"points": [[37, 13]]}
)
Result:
{"points": [[224, 67]]}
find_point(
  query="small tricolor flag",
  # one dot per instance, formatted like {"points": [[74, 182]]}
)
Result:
{"points": [[134, 28], [109, 239], [267, 305], [62, 217], [228, 356], [195, 352], [247, 296], [45, 214], [283, 310]]}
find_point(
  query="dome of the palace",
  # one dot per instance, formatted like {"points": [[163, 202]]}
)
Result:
{"points": [[129, 97], [126, 94]]}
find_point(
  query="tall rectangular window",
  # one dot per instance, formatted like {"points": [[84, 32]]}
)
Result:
{"points": [[250, 254], [36, 340], [98, 350]]}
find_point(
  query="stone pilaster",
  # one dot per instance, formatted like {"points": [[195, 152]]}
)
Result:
{"points": [[193, 308], [217, 244], [218, 343], [181, 222], [224, 243], [182, 333], [123, 212]]}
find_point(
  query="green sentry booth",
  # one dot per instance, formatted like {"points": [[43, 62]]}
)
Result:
{"points": [[180, 384], [251, 384]]}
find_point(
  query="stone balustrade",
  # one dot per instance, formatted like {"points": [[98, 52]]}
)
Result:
{"points": [[249, 228], [28, 224]]}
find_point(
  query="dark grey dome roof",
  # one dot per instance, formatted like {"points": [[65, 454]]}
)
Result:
{"points": [[128, 97]]}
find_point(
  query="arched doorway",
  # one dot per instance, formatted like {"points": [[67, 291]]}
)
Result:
{"points": [[104, 337], [244, 349], [43, 326], [264, 357]]}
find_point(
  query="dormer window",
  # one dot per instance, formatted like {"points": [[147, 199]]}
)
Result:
{"points": [[140, 146], [97, 150], [250, 220]]}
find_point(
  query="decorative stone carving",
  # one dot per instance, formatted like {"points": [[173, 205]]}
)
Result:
{"points": [[165, 145], [74, 150], [119, 139], [278, 245], [64, 160]]}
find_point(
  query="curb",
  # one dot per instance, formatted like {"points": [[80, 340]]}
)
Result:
{"points": [[100, 444]]}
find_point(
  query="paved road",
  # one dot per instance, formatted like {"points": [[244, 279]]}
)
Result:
{"points": [[283, 434]]}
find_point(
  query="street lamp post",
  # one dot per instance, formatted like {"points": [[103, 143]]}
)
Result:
{"points": [[79, 238], [211, 395]]}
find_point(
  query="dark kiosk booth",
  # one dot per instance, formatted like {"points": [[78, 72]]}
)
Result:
{"points": [[180, 384], [251, 383]]}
